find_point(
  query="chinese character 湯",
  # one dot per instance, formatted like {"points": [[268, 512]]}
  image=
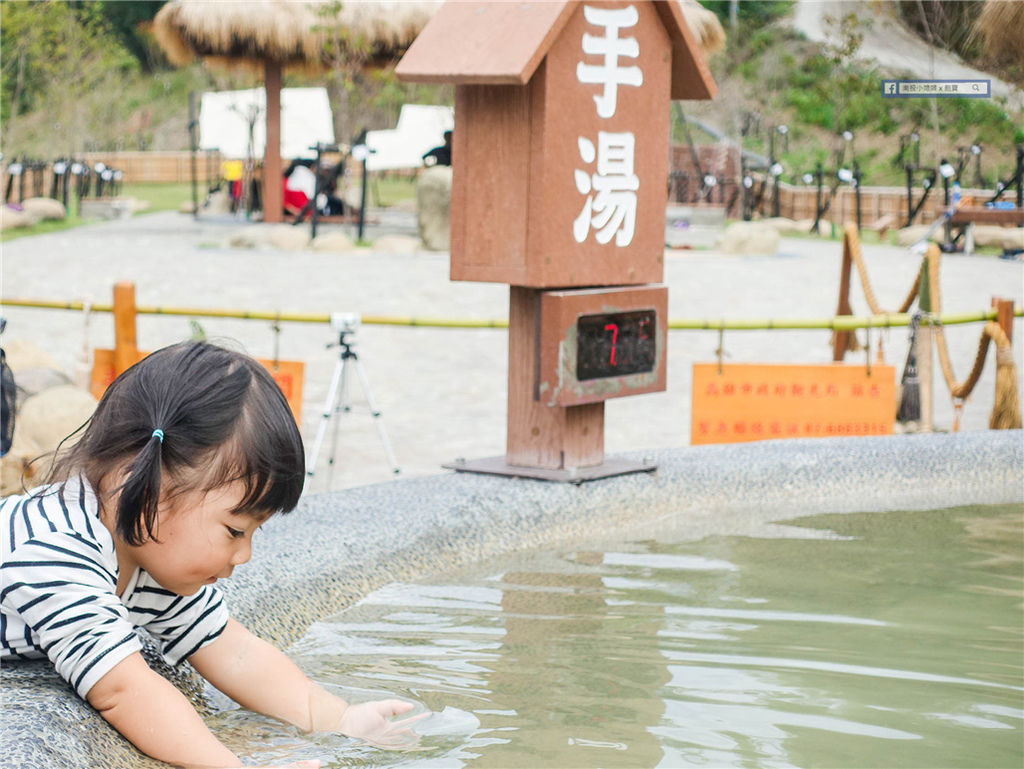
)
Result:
{"points": [[611, 209]]}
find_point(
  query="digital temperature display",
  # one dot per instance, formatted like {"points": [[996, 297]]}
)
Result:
{"points": [[615, 344]]}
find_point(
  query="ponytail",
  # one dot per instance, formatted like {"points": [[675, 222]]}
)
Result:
{"points": [[140, 493]]}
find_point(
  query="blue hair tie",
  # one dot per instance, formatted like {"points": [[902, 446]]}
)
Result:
{"points": [[159, 434]]}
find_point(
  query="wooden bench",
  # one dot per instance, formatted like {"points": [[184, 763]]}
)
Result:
{"points": [[965, 217]]}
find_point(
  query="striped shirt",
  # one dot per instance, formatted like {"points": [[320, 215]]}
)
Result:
{"points": [[58, 591]]}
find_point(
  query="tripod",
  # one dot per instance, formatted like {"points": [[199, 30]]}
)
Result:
{"points": [[337, 400]]}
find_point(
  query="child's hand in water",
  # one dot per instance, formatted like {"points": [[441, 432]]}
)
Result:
{"points": [[371, 721]]}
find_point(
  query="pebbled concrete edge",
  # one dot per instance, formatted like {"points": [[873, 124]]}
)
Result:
{"points": [[337, 547]]}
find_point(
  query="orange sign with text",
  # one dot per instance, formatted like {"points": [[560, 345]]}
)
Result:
{"points": [[742, 402], [287, 373]]}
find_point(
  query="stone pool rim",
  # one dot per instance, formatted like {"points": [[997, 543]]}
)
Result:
{"points": [[337, 547]]}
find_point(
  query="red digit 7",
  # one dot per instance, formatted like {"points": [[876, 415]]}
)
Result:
{"points": [[614, 328]]}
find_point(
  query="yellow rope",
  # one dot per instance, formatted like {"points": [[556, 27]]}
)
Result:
{"points": [[853, 238], [991, 332], [840, 322]]}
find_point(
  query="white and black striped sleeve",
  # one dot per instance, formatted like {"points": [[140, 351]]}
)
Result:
{"points": [[182, 624], [64, 593]]}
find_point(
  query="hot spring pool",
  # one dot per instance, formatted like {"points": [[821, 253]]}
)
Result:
{"points": [[853, 640]]}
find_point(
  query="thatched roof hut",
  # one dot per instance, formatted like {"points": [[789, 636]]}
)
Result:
{"points": [[270, 35], [1001, 28], [704, 24]]}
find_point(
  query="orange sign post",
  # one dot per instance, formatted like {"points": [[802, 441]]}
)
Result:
{"points": [[108, 364], [559, 168], [288, 374], [741, 402]]}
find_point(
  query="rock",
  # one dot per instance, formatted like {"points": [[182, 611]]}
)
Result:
{"points": [[250, 237], [14, 218], [48, 418], [1013, 238], [287, 237], [884, 224], [908, 236], [749, 238], [33, 381], [107, 208], [785, 226], [807, 226], [433, 199], [23, 355], [397, 244], [989, 235], [333, 241], [18, 470], [44, 208]]}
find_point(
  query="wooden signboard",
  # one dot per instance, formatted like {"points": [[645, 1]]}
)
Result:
{"points": [[560, 146], [559, 179], [287, 373], [742, 402], [601, 343]]}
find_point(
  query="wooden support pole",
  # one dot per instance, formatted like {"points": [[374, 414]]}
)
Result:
{"points": [[552, 437], [126, 349], [923, 343], [273, 192], [841, 339], [1004, 315]]}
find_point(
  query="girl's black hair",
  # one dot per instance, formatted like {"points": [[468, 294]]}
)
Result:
{"points": [[222, 418]]}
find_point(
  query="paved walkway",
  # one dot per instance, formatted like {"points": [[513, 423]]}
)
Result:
{"points": [[442, 391]]}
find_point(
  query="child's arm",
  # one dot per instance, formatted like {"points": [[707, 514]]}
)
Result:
{"points": [[260, 677], [155, 717]]}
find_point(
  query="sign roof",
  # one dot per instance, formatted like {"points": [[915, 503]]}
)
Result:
{"points": [[503, 43]]}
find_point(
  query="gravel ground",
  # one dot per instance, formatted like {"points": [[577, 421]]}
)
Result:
{"points": [[441, 392]]}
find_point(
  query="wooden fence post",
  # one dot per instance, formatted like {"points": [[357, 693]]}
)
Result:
{"points": [[126, 350], [841, 339], [923, 345], [1004, 315]]}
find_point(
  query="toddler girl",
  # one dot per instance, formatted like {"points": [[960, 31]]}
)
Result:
{"points": [[187, 454]]}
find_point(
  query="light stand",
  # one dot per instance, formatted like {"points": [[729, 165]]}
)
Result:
{"points": [[345, 324]]}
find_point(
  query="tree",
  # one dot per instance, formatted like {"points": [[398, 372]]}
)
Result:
{"points": [[360, 79], [60, 57], [127, 20]]}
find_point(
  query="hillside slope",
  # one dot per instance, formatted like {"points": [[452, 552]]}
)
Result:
{"points": [[891, 45]]}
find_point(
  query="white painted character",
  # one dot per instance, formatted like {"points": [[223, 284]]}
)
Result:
{"points": [[610, 207], [610, 73]]}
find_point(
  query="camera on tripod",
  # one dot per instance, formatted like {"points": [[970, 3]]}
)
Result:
{"points": [[345, 322]]}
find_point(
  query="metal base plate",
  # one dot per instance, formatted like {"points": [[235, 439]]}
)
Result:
{"points": [[497, 466]]}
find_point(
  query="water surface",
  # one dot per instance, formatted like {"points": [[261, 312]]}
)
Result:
{"points": [[869, 640]]}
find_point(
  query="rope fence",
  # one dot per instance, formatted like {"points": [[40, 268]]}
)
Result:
{"points": [[837, 323], [928, 324]]}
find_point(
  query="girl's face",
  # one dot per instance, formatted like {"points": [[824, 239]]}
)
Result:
{"points": [[197, 539]]}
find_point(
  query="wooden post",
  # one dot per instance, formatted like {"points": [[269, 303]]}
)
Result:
{"points": [[540, 111], [923, 347], [841, 339], [126, 350], [1004, 315], [273, 194], [550, 437]]}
